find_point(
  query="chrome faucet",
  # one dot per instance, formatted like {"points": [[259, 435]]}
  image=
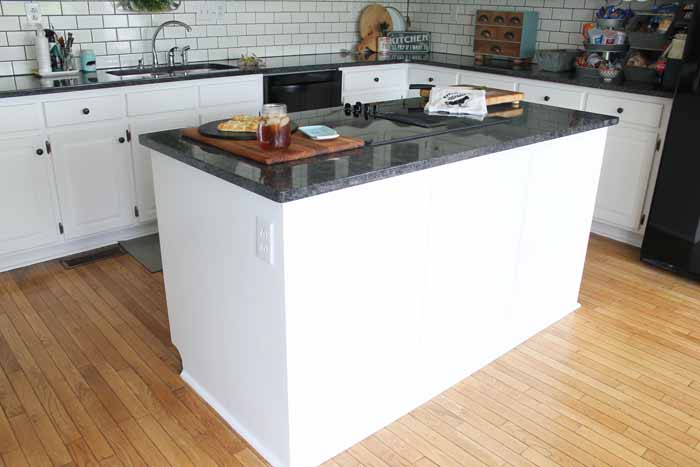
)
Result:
{"points": [[183, 53], [171, 56], [160, 28]]}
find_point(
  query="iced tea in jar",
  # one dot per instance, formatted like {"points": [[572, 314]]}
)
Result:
{"points": [[275, 127]]}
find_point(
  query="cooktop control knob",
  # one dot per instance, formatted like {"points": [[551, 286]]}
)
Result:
{"points": [[357, 109], [347, 109]]}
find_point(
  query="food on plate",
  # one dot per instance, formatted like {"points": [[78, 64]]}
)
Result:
{"points": [[245, 123]]}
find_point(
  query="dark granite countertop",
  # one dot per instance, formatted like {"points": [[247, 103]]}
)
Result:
{"points": [[301, 179], [23, 85]]}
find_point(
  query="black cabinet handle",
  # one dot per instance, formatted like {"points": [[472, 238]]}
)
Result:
{"points": [[496, 49], [547, 98], [122, 139], [515, 20], [376, 79], [499, 19], [39, 152], [620, 110], [483, 19], [86, 111], [430, 80], [486, 34], [510, 36]]}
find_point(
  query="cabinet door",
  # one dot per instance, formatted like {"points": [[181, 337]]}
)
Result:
{"points": [[27, 195], [93, 174], [629, 154], [143, 173]]}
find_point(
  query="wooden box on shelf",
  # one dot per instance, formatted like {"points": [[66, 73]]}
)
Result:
{"points": [[508, 34]]}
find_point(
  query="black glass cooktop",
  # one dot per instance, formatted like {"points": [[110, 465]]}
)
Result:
{"points": [[390, 122]]}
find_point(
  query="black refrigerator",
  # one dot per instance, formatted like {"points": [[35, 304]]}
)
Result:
{"points": [[672, 237]]}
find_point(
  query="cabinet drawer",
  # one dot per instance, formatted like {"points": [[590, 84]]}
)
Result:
{"points": [[482, 79], [437, 78], [380, 95], [94, 109], [629, 111], [505, 49], [19, 118], [499, 18], [229, 93], [498, 33], [551, 96], [165, 100], [368, 80]]}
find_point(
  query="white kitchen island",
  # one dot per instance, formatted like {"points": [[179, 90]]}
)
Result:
{"points": [[385, 281]]}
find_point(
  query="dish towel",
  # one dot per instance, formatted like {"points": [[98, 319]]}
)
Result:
{"points": [[457, 100]]}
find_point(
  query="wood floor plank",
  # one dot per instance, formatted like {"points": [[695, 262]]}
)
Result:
{"points": [[88, 376]]}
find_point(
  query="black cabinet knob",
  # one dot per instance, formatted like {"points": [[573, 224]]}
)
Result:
{"points": [[86, 111], [620, 110], [122, 139], [430, 80], [376, 79], [547, 98], [39, 152]]}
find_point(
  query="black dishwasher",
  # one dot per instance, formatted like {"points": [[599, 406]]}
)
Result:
{"points": [[304, 91]]}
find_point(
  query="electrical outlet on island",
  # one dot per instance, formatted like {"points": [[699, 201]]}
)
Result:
{"points": [[264, 231]]}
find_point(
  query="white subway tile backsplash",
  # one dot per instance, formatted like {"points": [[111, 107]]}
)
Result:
{"points": [[264, 27]]}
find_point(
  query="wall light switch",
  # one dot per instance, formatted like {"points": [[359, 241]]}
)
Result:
{"points": [[264, 231], [33, 10]]}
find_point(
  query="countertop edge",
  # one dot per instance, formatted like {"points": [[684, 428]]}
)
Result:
{"points": [[532, 74], [334, 185]]}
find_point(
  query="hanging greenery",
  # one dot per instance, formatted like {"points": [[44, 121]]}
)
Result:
{"points": [[149, 5]]}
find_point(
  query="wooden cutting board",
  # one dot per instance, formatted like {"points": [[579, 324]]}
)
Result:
{"points": [[301, 147], [493, 96], [370, 19]]}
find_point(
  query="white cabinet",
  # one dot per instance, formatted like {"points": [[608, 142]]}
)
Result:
{"points": [[27, 195], [431, 76], [93, 174], [629, 154], [483, 79], [556, 96], [374, 83], [143, 173]]}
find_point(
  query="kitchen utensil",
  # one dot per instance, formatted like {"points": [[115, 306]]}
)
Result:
{"points": [[301, 147], [397, 19], [371, 17]]}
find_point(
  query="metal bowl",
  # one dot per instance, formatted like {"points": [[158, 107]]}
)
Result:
{"points": [[617, 23]]}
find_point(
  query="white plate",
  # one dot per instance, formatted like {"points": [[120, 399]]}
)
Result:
{"points": [[397, 19]]}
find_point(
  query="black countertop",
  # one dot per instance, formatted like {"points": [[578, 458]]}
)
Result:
{"points": [[301, 179], [24, 85]]}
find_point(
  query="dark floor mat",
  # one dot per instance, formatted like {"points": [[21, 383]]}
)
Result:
{"points": [[79, 259], [146, 250]]}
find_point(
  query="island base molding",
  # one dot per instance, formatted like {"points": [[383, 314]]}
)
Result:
{"points": [[377, 297], [71, 247]]}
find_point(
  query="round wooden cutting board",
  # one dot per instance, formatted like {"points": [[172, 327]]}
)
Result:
{"points": [[371, 17]]}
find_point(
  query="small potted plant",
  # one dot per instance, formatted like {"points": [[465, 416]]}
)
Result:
{"points": [[383, 39]]}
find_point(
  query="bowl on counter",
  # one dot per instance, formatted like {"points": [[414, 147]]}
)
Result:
{"points": [[609, 74]]}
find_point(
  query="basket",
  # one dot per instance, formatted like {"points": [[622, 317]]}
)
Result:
{"points": [[556, 60], [640, 74], [616, 23], [587, 72], [648, 41]]}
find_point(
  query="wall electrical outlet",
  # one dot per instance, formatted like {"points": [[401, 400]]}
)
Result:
{"points": [[33, 10], [264, 231]]}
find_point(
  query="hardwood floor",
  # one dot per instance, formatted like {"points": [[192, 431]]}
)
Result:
{"points": [[88, 377]]}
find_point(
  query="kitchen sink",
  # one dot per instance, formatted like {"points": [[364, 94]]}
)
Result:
{"points": [[173, 70]]}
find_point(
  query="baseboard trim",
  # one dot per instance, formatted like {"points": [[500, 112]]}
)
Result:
{"points": [[231, 420], [616, 233], [71, 247]]}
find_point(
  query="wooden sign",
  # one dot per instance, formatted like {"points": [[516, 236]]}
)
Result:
{"points": [[409, 41]]}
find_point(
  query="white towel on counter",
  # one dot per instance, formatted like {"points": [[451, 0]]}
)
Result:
{"points": [[462, 100]]}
